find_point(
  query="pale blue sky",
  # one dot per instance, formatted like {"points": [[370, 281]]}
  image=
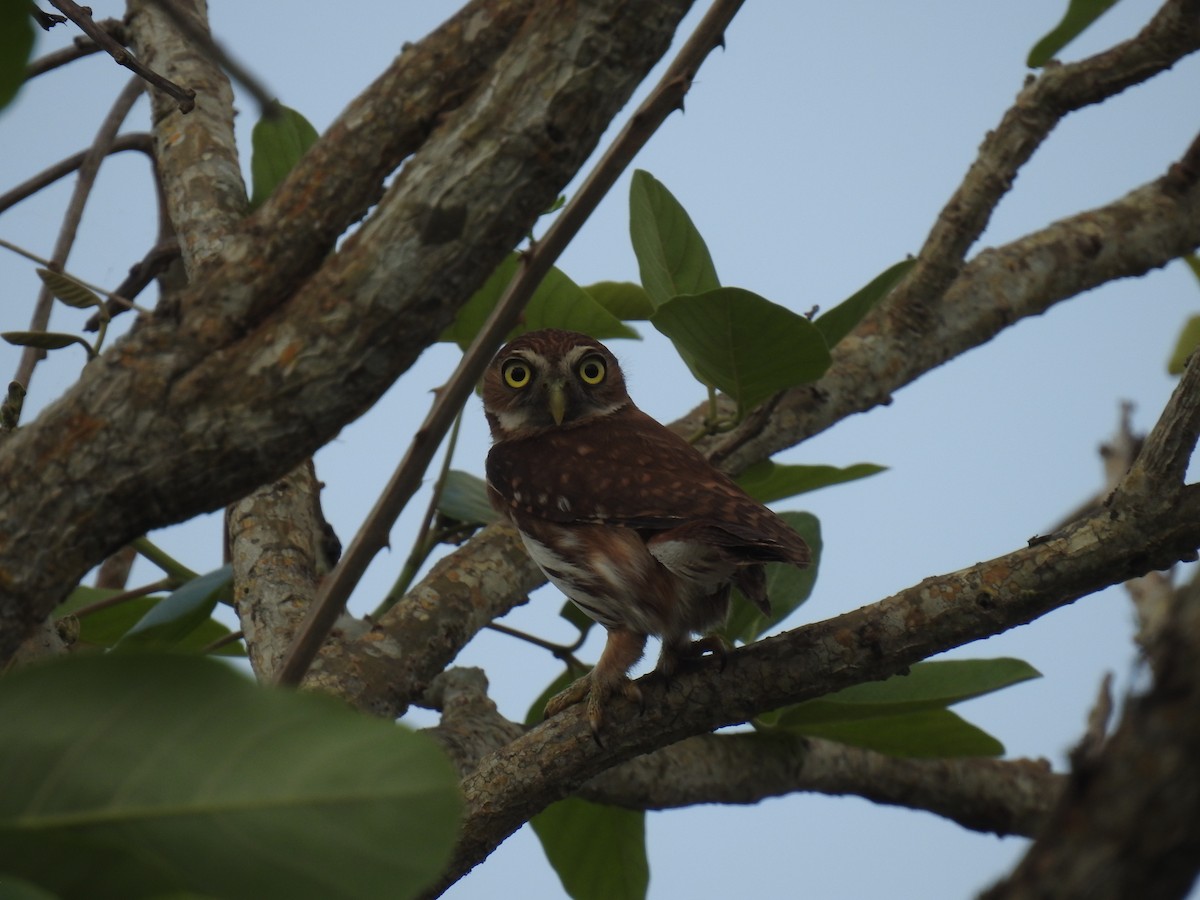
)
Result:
{"points": [[815, 151]]}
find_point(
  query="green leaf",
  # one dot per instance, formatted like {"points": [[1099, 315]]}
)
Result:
{"points": [[926, 734], [179, 614], [68, 290], [906, 715], [128, 776], [20, 889], [558, 302], [598, 851], [787, 586], [928, 685], [841, 320], [1079, 15], [105, 627], [672, 256], [624, 299], [743, 344], [465, 499], [16, 45], [1188, 341], [278, 141], [46, 340], [767, 481]]}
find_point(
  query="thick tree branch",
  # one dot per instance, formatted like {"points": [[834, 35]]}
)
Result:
{"points": [[275, 537], [386, 669], [1146, 229], [935, 313], [995, 796], [991, 795], [873, 642], [182, 416], [1057, 91], [197, 155]]}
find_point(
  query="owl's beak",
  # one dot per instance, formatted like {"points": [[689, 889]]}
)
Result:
{"points": [[557, 400]]}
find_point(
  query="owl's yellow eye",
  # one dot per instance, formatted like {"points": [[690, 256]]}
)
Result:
{"points": [[516, 373], [591, 370]]}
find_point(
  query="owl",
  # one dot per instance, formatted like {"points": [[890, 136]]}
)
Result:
{"points": [[624, 516]]}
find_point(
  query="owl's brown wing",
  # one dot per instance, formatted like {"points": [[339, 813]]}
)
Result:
{"points": [[627, 469]]}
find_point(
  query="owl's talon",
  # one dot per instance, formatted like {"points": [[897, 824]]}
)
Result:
{"points": [[569, 696]]}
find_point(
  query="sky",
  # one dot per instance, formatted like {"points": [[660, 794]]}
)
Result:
{"points": [[816, 150]]}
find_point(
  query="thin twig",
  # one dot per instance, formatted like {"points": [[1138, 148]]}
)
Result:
{"points": [[564, 652], [82, 46], [70, 226], [157, 259], [138, 140], [222, 641], [115, 297], [214, 51], [666, 97], [82, 17], [164, 584], [426, 539]]}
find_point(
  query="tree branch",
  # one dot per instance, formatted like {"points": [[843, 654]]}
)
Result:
{"points": [[82, 17], [81, 47], [89, 167], [135, 141], [943, 307], [870, 643], [183, 415]]}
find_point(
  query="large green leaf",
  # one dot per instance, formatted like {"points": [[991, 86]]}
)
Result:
{"points": [[464, 498], [907, 709], [624, 299], [672, 256], [743, 344], [128, 776], [278, 141], [928, 685], [787, 586], [767, 481], [179, 614], [105, 627], [599, 852], [840, 321], [16, 43], [929, 733], [1079, 15], [558, 302]]}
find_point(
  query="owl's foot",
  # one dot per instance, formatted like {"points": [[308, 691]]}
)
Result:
{"points": [[674, 656], [597, 690]]}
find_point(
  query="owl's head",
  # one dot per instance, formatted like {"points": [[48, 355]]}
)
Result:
{"points": [[550, 379]]}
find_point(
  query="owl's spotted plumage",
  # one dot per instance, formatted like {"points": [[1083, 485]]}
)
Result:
{"points": [[625, 517]]}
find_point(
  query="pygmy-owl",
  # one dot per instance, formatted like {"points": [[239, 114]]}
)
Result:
{"points": [[624, 516]]}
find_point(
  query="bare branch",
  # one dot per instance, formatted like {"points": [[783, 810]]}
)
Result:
{"points": [[81, 47], [931, 316], [1163, 460], [89, 167], [997, 796], [136, 141], [873, 642], [82, 17]]}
